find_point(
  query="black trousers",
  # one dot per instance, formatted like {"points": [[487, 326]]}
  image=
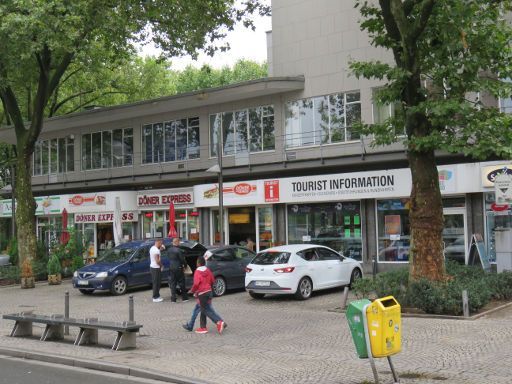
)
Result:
{"points": [[156, 279], [177, 279]]}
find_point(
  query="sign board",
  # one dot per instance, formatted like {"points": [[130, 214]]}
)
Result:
{"points": [[107, 217], [477, 249], [164, 199], [503, 188], [489, 173]]}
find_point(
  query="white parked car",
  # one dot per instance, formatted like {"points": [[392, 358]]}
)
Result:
{"points": [[299, 269]]}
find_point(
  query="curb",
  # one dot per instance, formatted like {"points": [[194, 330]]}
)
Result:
{"points": [[99, 366], [443, 317]]}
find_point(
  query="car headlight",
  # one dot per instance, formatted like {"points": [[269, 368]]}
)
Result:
{"points": [[75, 274], [102, 274]]}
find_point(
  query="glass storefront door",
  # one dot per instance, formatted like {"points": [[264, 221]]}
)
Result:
{"points": [[265, 228], [454, 238]]}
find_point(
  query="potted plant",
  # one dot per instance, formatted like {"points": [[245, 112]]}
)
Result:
{"points": [[27, 274], [54, 270]]}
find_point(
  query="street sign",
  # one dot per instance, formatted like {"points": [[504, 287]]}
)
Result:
{"points": [[503, 188]]}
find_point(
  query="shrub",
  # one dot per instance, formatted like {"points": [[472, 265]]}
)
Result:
{"points": [[10, 272], [53, 266], [502, 285], [77, 263], [440, 297], [363, 287], [12, 251]]}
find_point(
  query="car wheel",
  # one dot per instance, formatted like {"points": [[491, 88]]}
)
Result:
{"points": [[356, 275], [219, 286], [86, 291], [119, 286], [255, 295], [304, 289]]}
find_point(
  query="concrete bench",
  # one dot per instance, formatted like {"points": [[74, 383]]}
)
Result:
{"points": [[88, 329]]}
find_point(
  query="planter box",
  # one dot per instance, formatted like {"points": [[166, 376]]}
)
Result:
{"points": [[54, 279], [28, 282]]}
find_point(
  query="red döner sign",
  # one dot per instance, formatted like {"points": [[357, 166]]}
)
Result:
{"points": [[178, 198], [102, 217]]}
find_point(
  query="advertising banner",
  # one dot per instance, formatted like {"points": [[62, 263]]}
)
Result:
{"points": [[240, 193]]}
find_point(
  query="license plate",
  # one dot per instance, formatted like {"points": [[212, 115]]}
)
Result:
{"points": [[83, 282], [262, 283]]}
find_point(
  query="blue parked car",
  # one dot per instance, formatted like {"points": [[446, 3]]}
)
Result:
{"points": [[127, 266]]}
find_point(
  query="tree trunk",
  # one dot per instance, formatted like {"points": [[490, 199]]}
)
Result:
{"points": [[25, 208], [426, 219]]}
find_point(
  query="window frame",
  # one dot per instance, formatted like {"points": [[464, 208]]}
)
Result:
{"points": [[103, 164], [190, 125], [51, 164], [318, 135], [262, 110]]}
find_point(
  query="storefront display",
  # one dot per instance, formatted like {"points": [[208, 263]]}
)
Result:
{"points": [[393, 230], [336, 225], [155, 224], [496, 217]]}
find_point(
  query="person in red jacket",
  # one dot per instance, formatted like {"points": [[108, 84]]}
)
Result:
{"points": [[202, 290]]}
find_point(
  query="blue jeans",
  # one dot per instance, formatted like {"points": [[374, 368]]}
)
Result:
{"points": [[214, 316]]}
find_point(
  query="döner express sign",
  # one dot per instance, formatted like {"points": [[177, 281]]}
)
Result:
{"points": [[165, 199], [104, 217]]}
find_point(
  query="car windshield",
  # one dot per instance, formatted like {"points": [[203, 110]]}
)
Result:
{"points": [[271, 258], [116, 254]]}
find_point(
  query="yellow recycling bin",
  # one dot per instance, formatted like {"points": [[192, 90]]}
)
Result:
{"points": [[384, 326]]}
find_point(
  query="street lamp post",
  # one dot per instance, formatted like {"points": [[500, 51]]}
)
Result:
{"points": [[217, 168]]}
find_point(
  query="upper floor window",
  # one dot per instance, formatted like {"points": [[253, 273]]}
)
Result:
{"points": [[54, 156], [106, 149], [247, 130], [171, 141], [322, 120], [506, 103]]}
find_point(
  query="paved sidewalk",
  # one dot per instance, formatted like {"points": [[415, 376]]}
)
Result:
{"points": [[276, 340]]}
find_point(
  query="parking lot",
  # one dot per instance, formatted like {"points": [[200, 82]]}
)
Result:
{"points": [[275, 340]]}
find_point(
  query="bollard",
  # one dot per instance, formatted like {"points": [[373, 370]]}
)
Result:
{"points": [[465, 303], [131, 310], [66, 311], [344, 298]]}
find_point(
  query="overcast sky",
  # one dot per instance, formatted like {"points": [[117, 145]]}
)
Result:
{"points": [[245, 44]]}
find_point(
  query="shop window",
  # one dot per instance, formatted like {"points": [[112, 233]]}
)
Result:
{"points": [[156, 224], [247, 130], [265, 226], [53, 156], [393, 230], [335, 225], [107, 149], [322, 120], [169, 141], [496, 217]]}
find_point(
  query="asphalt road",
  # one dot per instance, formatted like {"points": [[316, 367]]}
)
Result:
{"points": [[19, 371]]}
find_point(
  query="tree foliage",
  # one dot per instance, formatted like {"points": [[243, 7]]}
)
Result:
{"points": [[43, 40], [448, 58]]}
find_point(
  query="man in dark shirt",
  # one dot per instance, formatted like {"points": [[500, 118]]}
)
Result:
{"points": [[176, 268]]}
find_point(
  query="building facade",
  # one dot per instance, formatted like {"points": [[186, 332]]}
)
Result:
{"points": [[294, 168]]}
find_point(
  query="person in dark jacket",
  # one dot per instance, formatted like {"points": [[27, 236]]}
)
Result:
{"points": [[177, 264]]}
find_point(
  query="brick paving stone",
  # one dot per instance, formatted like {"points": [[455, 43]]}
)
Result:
{"points": [[275, 340]]}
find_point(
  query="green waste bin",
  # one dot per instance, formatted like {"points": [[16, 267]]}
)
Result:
{"points": [[356, 324]]}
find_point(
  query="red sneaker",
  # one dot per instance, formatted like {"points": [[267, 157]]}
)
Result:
{"points": [[202, 330], [220, 326]]}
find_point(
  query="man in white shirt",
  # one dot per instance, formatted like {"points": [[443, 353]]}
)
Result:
{"points": [[156, 268]]}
